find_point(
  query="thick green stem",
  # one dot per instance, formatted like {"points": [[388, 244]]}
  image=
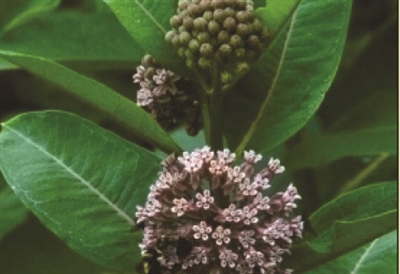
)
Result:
{"points": [[216, 117]]}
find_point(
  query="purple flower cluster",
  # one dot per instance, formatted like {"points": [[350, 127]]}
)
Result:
{"points": [[154, 81], [222, 214]]}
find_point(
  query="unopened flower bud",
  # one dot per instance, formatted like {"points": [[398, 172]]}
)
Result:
{"points": [[175, 21], [243, 30], [190, 63], [170, 35], [147, 61], [208, 15], [244, 16], [217, 4], [213, 27], [200, 24], [188, 23], [149, 73], [240, 53], [226, 77], [189, 54], [256, 26], [182, 5], [229, 12], [194, 45], [181, 52], [204, 62], [229, 24], [206, 50], [194, 10], [203, 37], [241, 4], [223, 37], [225, 51], [242, 68], [253, 42], [236, 41], [184, 38], [219, 15]]}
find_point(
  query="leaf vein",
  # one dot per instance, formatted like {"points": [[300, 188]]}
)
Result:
{"points": [[119, 211]]}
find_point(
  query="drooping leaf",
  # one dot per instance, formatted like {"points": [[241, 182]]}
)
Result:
{"points": [[12, 211], [17, 12], [341, 225], [148, 22], [91, 37], [288, 83], [121, 109], [377, 256], [81, 181]]}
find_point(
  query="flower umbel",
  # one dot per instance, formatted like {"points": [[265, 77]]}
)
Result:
{"points": [[215, 217], [159, 94]]}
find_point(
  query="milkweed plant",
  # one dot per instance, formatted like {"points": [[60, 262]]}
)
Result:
{"points": [[192, 136]]}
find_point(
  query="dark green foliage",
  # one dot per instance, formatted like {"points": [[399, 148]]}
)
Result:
{"points": [[322, 97]]}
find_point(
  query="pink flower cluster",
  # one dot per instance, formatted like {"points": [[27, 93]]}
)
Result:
{"points": [[154, 81], [220, 213]]}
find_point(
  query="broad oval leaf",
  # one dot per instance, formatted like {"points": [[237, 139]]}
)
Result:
{"points": [[377, 256], [341, 225], [81, 181], [120, 108], [288, 83]]}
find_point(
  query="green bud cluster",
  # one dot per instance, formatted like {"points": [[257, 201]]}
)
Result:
{"points": [[223, 31]]}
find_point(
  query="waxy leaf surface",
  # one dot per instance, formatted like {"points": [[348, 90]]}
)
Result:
{"points": [[347, 223], [81, 181], [90, 37], [377, 256], [100, 96], [288, 83]]}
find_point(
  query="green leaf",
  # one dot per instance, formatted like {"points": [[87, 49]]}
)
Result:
{"points": [[324, 149], [276, 13], [378, 256], [340, 225], [286, 86], [81, 181], [16, 12], [369, 128], [121, 109], [93, 36], [12, 211], [148, 22]]}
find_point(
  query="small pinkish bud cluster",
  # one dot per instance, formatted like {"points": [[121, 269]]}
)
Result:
{"points": [[159, 94], [154, 82], [216, 217]]}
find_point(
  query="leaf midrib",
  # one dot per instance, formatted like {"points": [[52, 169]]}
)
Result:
{"points": [[362, 258], [253, 127], [150, 16], [102, 197]]}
